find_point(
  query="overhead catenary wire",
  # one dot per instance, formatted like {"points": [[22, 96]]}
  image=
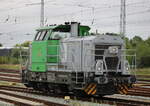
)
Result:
{"points": [[7, 19], [77, 12], [114, 16], [95, 8], [77, 5], [101, 18], [15, 20]]}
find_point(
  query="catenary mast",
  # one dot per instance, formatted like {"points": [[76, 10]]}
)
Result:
{"points": [[123, 27], [123, 18], [42, 13]]}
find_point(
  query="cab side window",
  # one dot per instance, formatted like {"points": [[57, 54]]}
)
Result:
{"points": [[37, 35], [41, 35]]}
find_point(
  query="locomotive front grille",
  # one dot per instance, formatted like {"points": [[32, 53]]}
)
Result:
{"points": [[111, 62], [99, 51]]}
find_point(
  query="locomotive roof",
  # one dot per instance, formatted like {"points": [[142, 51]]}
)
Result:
{"points": [[99, 39], [67, 27]]}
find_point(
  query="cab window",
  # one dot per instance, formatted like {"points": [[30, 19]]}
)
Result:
{"points": [[59, 35], [41, 35], [37, 35]]}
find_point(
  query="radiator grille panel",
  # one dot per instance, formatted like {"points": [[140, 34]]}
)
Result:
{"points": [[111, 63]]}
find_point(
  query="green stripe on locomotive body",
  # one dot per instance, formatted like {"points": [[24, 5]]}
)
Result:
{"points": [[53, 51], [38, 57], [39, 51], [46, 51]]}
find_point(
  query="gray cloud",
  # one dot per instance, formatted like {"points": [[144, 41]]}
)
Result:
{"points": [[24, 19]]}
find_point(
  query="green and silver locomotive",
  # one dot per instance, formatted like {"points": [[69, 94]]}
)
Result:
{"points": [[66, 58]]}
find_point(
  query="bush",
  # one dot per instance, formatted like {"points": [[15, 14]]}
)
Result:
{"points": [[9, 60], [145, 62]]}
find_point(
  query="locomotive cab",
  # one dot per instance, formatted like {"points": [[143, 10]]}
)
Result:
{"points": [[46, 45]]}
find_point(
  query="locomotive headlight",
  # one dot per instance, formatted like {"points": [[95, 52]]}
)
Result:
{"points": [[99, 67], [127, 68], [113, 49], [127, 65]]}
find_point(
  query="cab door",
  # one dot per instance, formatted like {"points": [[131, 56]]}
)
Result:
{"points": [[39, 52]]}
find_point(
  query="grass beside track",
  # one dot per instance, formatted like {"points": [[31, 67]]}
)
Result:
{"points": [[144, 71], [10, 66], [6, 83]]}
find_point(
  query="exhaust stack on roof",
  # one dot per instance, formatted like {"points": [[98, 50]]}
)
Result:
{"points": [[74, 29]]}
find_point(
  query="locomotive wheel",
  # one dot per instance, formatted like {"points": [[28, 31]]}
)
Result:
{"points": [[61, 90], [79, 93], [50, 89], [35, 86], [27, 85], [58, 91]]}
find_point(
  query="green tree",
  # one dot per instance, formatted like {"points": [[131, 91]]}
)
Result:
{"points": [[128, 44], [1, 45], [143, 51], [142, 48], [148, 41], [135, 41], [25, 44]]}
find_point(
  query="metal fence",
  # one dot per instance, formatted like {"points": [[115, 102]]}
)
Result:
{"points": [[13, 55]]}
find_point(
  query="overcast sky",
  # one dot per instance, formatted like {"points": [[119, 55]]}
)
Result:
{"points": [[19, 19]]}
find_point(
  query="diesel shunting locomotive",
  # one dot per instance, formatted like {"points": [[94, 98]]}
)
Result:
{"points": [[66, 58]]}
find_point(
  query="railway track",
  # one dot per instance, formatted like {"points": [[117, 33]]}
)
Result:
{"points": [[141, 89], [143, 78], [10, 71], [10, 75], [24, 100], [119, 100]]}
